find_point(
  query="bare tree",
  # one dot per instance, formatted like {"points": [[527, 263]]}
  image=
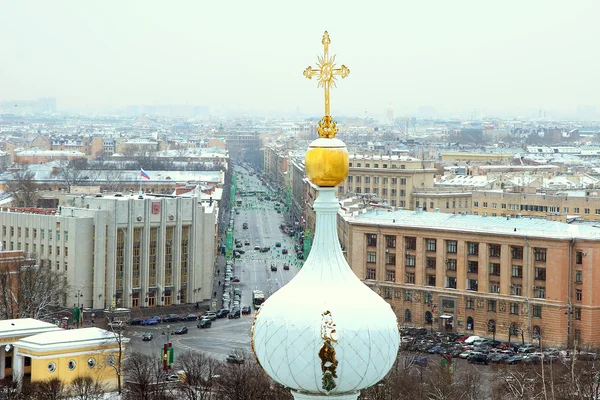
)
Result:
{"points": [[200, 375], [72, 172], [31, 290], [115, 335], [51, 389], [145, 378], [23, 189], [87, 388]]}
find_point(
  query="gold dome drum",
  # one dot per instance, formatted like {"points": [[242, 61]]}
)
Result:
{"points": [[326, 162]]}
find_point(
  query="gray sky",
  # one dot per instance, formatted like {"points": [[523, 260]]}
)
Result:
{"points": [[452, 55]]}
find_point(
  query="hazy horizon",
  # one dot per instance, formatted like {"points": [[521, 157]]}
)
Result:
{"points": [[456, 57]]}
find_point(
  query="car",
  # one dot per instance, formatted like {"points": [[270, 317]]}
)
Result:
{"points": [[516, 359], [235, 279], [222, 313], [150, 321], [136, 321], [264, 249], [235, 313], [159, 319], [284, 251], [245, 226], [273, 267], [204, 323], [235, 359], [147, 336], [478, 358], [421, 361], [237, 212], [210, 315], [246, 243], [171, 318], [190, 317], [237, 291], [527, 348], [181, 330], [257, 247], [278, 244], [286, 267], [246, 310], [239, 245]]}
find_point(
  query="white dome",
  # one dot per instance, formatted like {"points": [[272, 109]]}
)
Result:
{"points": [[326, 332]]}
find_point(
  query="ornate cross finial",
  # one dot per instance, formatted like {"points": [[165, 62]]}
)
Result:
{"points": [[326, 73]]}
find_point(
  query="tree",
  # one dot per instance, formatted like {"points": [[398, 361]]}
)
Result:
{"points": [[145, 378], [51, 389], [200, 372], [87, 388], [23, 189], [114, 335], [71, 172], [31, 290]]}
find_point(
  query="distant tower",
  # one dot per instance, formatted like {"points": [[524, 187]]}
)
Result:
{"points": [[389, 115]]}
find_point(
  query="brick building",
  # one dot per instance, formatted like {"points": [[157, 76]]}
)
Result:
{"points": [[481, 275]]}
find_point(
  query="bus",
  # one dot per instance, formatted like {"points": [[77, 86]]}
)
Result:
{"points": [[258, 297]]}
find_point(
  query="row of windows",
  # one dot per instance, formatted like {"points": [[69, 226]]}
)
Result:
{"points": [[432, 205], [376, 165], [534, 208], [34, 233], [34, 248], [376, 180]]}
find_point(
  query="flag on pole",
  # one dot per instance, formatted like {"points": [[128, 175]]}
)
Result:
{"points": [[143, 174]]}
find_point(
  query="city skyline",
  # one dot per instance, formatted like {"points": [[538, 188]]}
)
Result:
{"points": [[451, 59]]}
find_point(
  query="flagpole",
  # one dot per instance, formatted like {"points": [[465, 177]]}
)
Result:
{"points": [[140, 179]]}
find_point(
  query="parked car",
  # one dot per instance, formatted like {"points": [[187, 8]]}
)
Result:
{"points": [[516, 359], [204, 323], [234, 358], [284, 251], [181, 330], [264, 249], [246, 310], [246, 242], [159, 319], [147, 336], [273, 267], [210, 315], [527, 348], [257, 247], [171, 318], [286, 267], [190, 317], [235, 313], [150, 321], [235, 279], [278, 244], [136, 321], [222, 313], [478, 358]]}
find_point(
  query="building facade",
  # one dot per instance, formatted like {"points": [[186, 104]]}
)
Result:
{"points": [[481, 275], [124, 251]]}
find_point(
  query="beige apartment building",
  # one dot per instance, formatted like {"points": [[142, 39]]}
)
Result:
{"points": [[393, 179], [481, 275], [577, 203]]}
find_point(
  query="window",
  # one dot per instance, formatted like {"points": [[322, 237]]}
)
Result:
{"points": [[410, 243], [514, 308], [494, 287], [428, 298], [390, 241], [370, 273], [410, 277], [390, 258], [473, 267], [387, 292], [58, 250], [66, 236], [451, 246], [451, 282], [385, 180], [394, 181], [51, 367], [367, 179], [597, 211], [371, 239], [491, 326], [577, 313], [472, 284], [410, 260], [539, 254], [491, 305], [540, 274], [403, 181], [494, 250], [407, 315], [428, 317], [485, 204], [539, 292], [390, 276], [66, 251], [50, 234], [72, 364], [516, 290], [579, 258], [408, 295], [371, 257], [586, 210], [576, 210], [473, 248], [430, 262], [430, 281], [578, 295], [494, 269], [451, 264], [517, 271], [430, 244], [578, 276], [516, 252], [537, 311], [475, 204], [470, 303]]}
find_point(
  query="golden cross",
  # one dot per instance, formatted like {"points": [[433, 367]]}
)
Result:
{"points": [[326, 74]]}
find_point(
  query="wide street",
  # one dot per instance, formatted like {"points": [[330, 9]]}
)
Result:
{"points": [[254, 270]]}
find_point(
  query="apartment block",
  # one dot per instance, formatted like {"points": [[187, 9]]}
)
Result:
{"points": [[479, 275]]}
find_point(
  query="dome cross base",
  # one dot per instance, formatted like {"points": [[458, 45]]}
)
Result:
{"points": [[310, 396]]}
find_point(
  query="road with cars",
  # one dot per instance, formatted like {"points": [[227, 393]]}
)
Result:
{"points": [[252, 268]]}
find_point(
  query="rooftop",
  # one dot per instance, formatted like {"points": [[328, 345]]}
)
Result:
{"points": [[71, 338], [530, 227], [11, 328]]}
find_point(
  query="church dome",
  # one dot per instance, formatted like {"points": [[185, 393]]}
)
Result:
{"points": [[326, 333]]}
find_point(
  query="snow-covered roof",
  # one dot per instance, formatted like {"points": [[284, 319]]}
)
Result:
{"points": [[14, 328], [69, 339]]}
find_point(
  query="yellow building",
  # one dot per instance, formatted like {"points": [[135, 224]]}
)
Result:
{"points": [[59, 353]]}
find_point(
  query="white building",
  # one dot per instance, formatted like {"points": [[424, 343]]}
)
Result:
{"points": [[124, 251]]}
